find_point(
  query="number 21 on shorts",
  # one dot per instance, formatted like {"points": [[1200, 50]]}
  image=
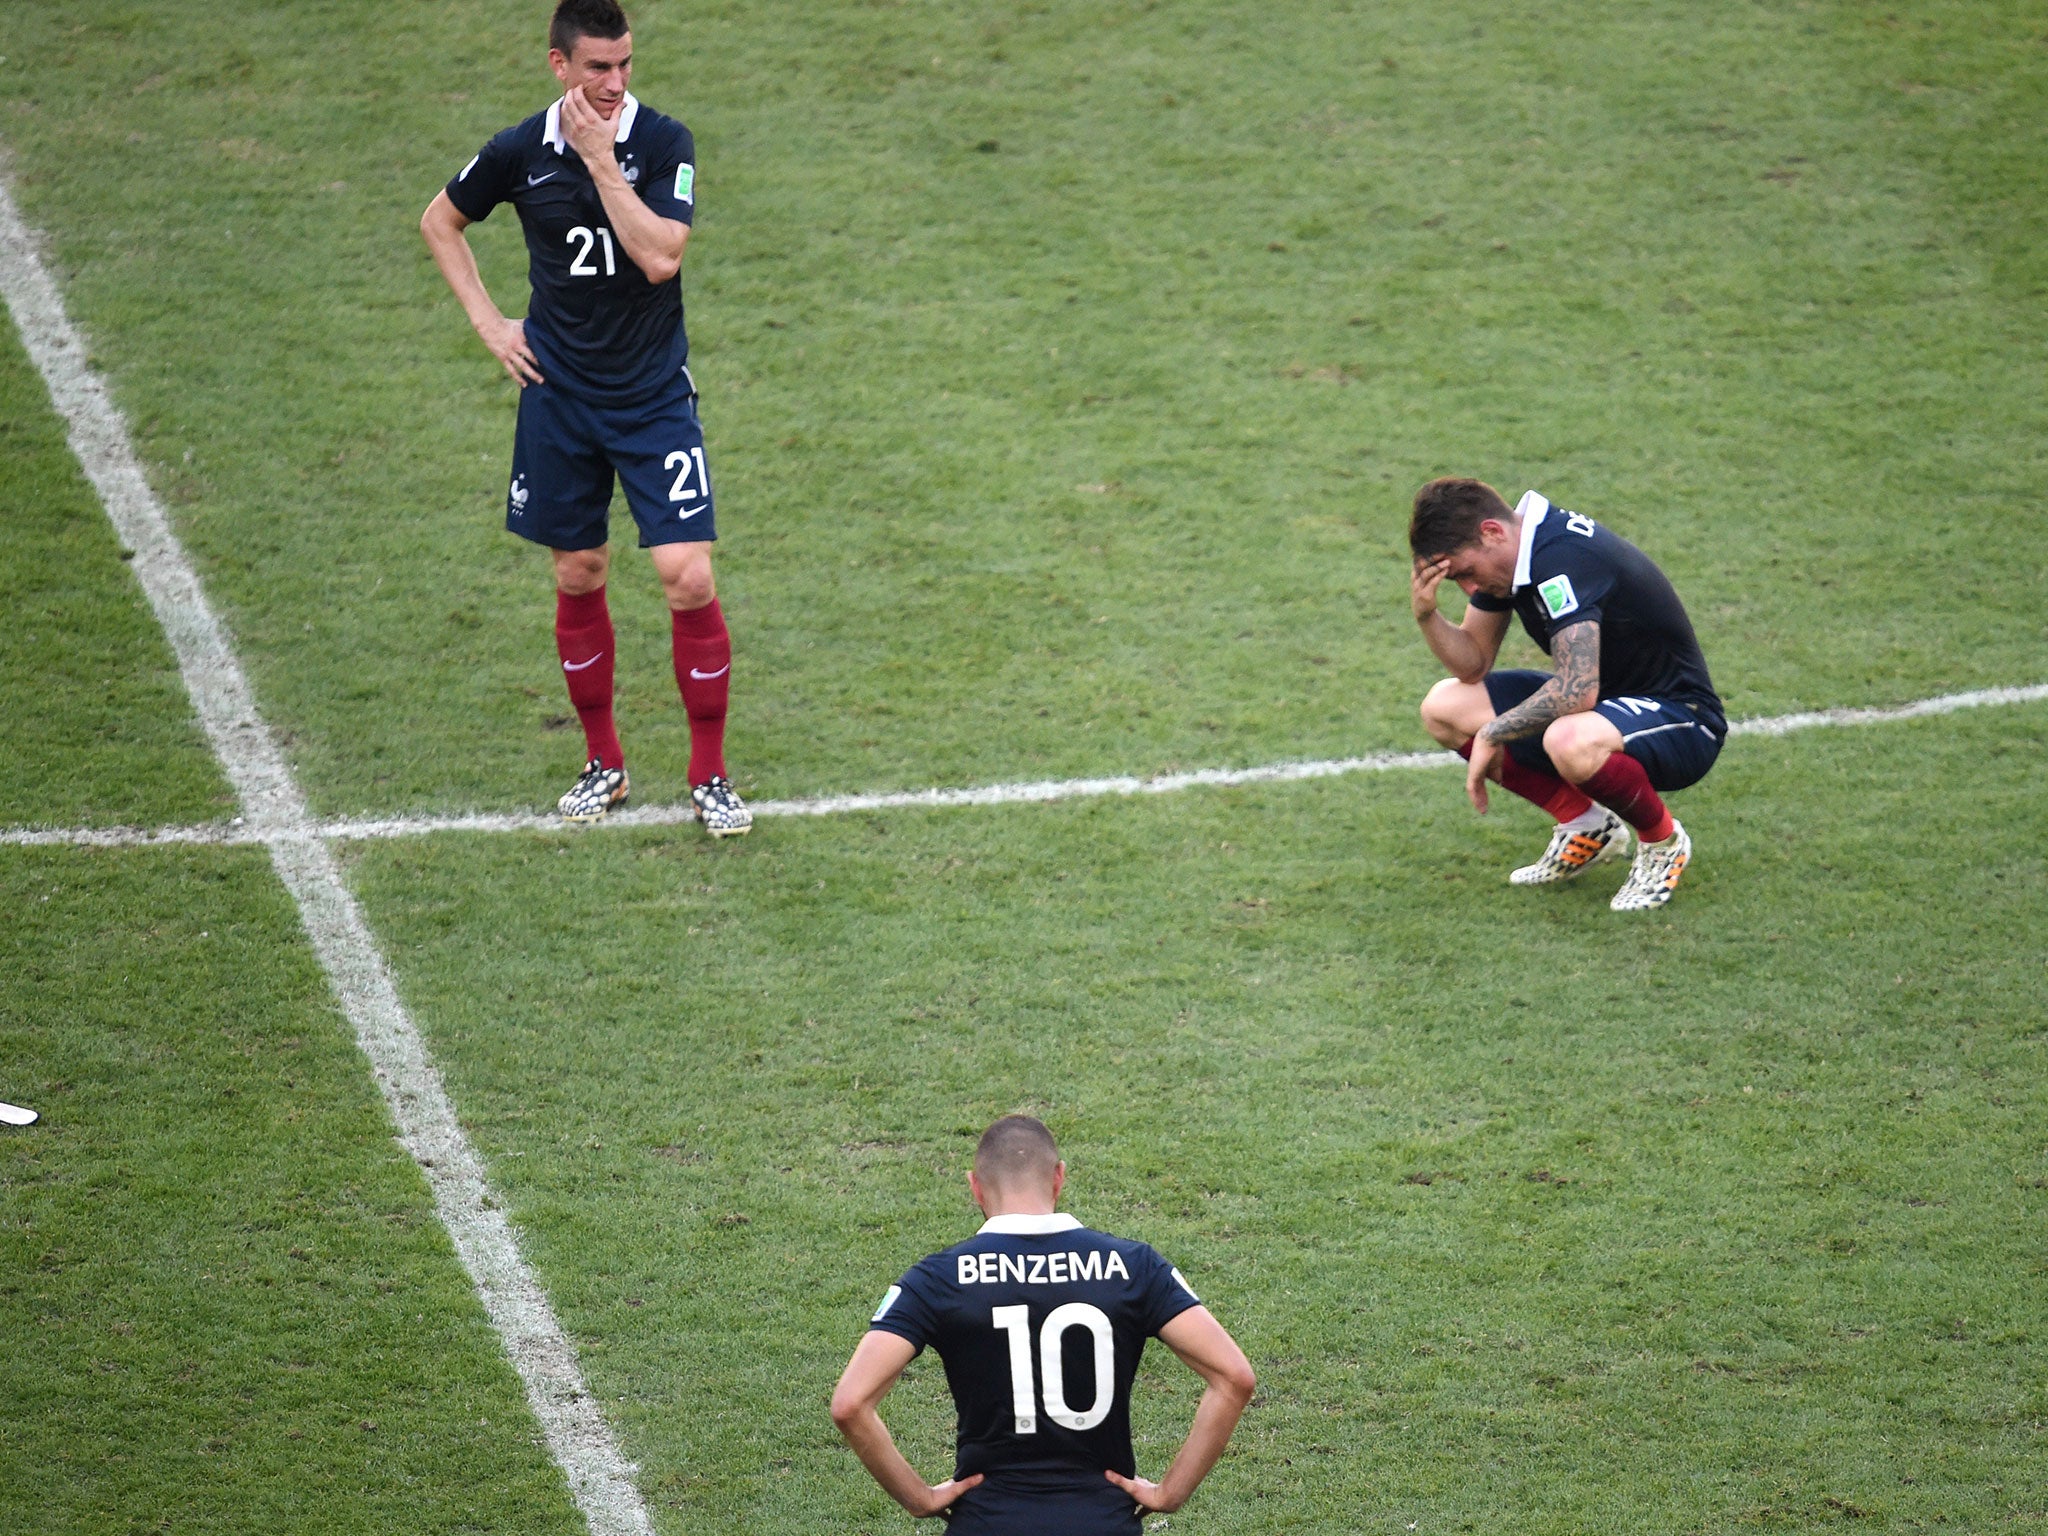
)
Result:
{"points": [[693, 480]]}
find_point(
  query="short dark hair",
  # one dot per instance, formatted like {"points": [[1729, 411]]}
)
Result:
{"points": [[576, 19], [1016, 1148], [1448, 513]]}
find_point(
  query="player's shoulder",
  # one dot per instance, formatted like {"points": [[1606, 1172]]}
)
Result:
{"points": [[1562, 535], [657, 130], [524, 136]]}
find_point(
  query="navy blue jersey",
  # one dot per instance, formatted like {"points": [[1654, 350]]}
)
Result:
{"points": [[597, 326], [1570, 570], [1040, 1323]]}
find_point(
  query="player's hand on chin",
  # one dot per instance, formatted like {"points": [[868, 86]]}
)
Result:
{"points": [[943, 1496], [1149, 1495], [587, 130]]}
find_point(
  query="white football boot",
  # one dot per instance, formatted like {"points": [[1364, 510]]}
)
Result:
{"points": [[596, 790], [1573, 851], [1654, 876]]}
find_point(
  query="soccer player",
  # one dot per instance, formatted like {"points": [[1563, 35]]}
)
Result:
{"points": [[605, 190], [1040, 1323], [1629, 712]]}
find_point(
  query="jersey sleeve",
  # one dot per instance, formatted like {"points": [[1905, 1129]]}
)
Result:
{"points": [[1166, 1294], [907, 1312], [671, 189], [485, 182], [1572, 580]]}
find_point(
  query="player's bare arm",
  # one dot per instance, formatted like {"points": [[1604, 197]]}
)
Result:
{"points": [[442, 226], [1466, 649], [1211, 1353], [1574, 688], [868, 1376], [654, 243]]}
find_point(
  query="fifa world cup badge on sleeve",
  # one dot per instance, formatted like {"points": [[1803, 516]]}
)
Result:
{"points": [[1558, 597]]}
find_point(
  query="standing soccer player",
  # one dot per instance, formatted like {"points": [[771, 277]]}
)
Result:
{"points": [[1040, 1323], [605, 190], [1629, 712]]}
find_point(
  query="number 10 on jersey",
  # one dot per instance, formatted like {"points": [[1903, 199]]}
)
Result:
{"points": [[1016, 1323]]}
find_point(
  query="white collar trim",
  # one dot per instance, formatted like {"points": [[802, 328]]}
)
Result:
{"points": [[1531, 509], [552, 135], [1030, 1226]]}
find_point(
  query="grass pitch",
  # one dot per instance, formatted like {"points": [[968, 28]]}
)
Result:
{"points": [[1066, 372]]}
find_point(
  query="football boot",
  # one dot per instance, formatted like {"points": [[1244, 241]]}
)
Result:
{"points": [[596, 790], [1573, 852], [720, 807], [1654, 876]]}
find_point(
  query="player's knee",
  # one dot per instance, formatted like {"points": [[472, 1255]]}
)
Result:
{"points": [[689, 586], [580, 571], [1440, 712], [1576, 745]]}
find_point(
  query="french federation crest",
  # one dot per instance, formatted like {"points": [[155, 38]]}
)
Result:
{"points": [[515, 499]]}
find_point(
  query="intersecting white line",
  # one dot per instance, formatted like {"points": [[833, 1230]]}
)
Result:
{"points": [[371, 828], [274, 813]]}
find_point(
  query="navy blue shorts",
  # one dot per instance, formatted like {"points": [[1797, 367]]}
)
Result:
{"points": [[1673, 747], [1045, 1504], [566, 451]]}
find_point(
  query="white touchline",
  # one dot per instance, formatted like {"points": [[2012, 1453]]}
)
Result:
{"points": [[275, 813], [373, 828]]}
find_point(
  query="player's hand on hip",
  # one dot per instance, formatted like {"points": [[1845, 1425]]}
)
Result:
{"points": [[589, 133], [944, 1495], [1148, 1495], [1423, 581], [1484, 751], [507, 341]]}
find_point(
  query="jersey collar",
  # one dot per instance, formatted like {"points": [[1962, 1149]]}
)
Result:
{"points": [[1030, 1226], [552, 135], [1531, 509]]}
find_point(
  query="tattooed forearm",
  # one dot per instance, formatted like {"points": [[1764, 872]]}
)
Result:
{"points": [[1576, 653]]}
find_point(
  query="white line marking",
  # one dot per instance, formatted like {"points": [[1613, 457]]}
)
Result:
{"points": [[275, 814], [366, 829]]}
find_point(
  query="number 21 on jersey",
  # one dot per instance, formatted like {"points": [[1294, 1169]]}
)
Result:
{"points": [[586, 240], [1016, 1323]]}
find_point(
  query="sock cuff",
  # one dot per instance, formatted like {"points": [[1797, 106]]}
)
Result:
{"points": [[578, 609], [706, 623]]}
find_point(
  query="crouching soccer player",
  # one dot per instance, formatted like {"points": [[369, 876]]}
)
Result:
{"points": [[1040, 1323], [1629, 712], [605, 190]]}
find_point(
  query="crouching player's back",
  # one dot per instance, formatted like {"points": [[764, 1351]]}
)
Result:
{"points": [[1040, 1323]]}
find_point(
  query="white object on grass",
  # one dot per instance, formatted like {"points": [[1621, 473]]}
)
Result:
{"points": [[14, 1114]]}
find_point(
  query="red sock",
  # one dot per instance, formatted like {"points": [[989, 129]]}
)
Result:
{"points": [[703, 670], [583, 636], [1546, 791], [1624, 788]]}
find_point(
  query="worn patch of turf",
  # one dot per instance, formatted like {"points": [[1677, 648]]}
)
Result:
{"points": [[1067, 370], [227, 1304], [1531, 1215], [98, 726]]}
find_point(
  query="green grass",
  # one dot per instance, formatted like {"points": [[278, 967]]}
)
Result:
{"points": [[98, 726], [1529, 1216], [1089, 453], [227, 1304]]}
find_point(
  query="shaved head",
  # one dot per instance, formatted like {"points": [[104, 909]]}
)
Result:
{"points": [[1016, 1153]]}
